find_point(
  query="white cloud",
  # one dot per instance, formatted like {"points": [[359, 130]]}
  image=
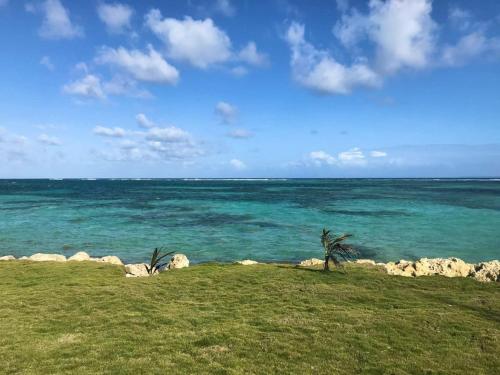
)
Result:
{"points": [[239, 71], [109, 132], [320, 72], [19, 140], [378, 154], [460, 18], [320, 157], [237, 164], [226, 112], [143, 121], [342, 5], [469, 46], [250, 55], [150, 67], [124, 85], [353, 156], [48, 140], [198, 42], [56, 22], [169, 144], [168, 134], [88, 86], [225, 7], [402, 31], [128, 144], [15, 139], [401, 34], [82, 67], [45, 61], [116, 16], [240, 134]]}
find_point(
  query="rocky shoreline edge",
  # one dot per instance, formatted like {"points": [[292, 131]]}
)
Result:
{"points": [[448, 267]]}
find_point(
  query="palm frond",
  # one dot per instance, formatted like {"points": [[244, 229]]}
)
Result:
{"points": [[335, 249], [156, 257]]}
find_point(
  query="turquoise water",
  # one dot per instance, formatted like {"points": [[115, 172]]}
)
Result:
{"points": [[221, 220]]}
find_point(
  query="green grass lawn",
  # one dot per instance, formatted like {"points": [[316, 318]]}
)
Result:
{"points": [[87, 318]]}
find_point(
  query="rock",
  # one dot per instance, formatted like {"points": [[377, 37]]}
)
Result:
{"points": [[365, 261], [178, 261], [487, 271], [80, 256], [247, 262], [40, 257], [24, 258], [136, 270], [112, 259], [451, 267], [311, 262], [401, 268], [8, 257]]}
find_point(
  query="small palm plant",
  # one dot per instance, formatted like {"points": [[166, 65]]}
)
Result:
{"points": [[156, 257], [335, 249]]}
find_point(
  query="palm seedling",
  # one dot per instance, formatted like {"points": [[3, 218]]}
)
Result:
{"points": [[335, 248], [155, 263]]}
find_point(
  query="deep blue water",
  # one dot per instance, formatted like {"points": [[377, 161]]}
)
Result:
{"points": [[227, 220]]}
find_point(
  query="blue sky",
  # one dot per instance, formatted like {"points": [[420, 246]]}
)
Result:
{"points": [[226, 88]]}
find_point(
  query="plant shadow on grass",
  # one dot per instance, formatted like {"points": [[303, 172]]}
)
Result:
{"points": [[476, 310], [321, 271]]}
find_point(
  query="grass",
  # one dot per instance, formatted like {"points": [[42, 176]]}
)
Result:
{"points": [[87, 318]]}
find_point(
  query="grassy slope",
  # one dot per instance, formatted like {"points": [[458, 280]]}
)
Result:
{"points": [[88, 318]]}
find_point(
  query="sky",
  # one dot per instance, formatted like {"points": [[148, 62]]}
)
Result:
{"points": [[227, 88]]}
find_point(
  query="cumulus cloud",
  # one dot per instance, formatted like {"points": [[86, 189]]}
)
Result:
{"points": [[168, 134], [45, 61], [49, 140], [240, 134], [342, 5], [460, 18], [89, 86], [225, 7], [226, 112], [169, 144], [143, 121], [237, 164], [320, 157], [468, 47], [378, 154], [318, 71], [125, 85], [239, 71], [116, 16], [10, 138], [198, 42], [402, 32], [391, 36], [353, 156], [172, 144], [56, 22], [149, 67], [115, 132], [250, 55]]}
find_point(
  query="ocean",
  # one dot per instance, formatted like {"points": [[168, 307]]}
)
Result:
{"points": [[261, 219]]}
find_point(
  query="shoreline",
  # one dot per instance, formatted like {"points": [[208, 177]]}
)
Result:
{"points": [[486, 271]]}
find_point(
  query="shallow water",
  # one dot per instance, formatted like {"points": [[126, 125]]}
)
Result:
{"points": [[225, 220]]}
